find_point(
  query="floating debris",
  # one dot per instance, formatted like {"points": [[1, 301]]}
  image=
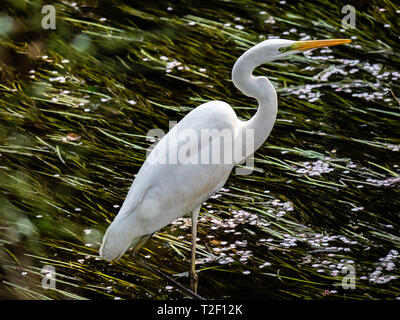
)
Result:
{"points": [[72, 137], [341, 102], [384, 183], [316, 168], [385, 264]]}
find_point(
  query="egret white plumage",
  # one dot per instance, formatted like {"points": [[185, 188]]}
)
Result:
{"points": [[163, 192]]}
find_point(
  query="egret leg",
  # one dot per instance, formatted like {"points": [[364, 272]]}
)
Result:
{"points": [[194, 278], [138, 259]]}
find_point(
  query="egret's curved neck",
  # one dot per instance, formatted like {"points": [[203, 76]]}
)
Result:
{"points": [[259, 88]]}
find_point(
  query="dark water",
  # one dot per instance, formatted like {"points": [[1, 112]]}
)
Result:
{"points": [[77, 103]]}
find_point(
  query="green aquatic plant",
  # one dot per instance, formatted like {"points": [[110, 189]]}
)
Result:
{"points": [[74, 123]]}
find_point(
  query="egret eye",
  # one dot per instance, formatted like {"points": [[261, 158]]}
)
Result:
{"points": [[282, 49]]}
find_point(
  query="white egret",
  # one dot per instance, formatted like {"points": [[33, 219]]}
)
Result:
{"points": [[163, 192]]}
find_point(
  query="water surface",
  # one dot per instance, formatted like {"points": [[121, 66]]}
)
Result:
{"points": [[78, 101]]}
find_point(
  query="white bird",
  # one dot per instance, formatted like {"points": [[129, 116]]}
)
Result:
{"points": [[172, 183]]}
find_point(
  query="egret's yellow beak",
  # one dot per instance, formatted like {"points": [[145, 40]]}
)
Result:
{"points": [[311, 44]]}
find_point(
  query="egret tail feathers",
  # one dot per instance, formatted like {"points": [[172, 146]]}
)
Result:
{"points": [[117, 239], [136, 247]]}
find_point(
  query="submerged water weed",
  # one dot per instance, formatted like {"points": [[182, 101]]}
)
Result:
{"points": [[77, 103]]}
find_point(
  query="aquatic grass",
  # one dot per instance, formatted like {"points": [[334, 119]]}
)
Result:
{"points": [[332, 154]]}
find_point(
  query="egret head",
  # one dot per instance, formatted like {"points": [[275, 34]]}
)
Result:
{"points": [[267, 51], [300, 46], [279, 48]]}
